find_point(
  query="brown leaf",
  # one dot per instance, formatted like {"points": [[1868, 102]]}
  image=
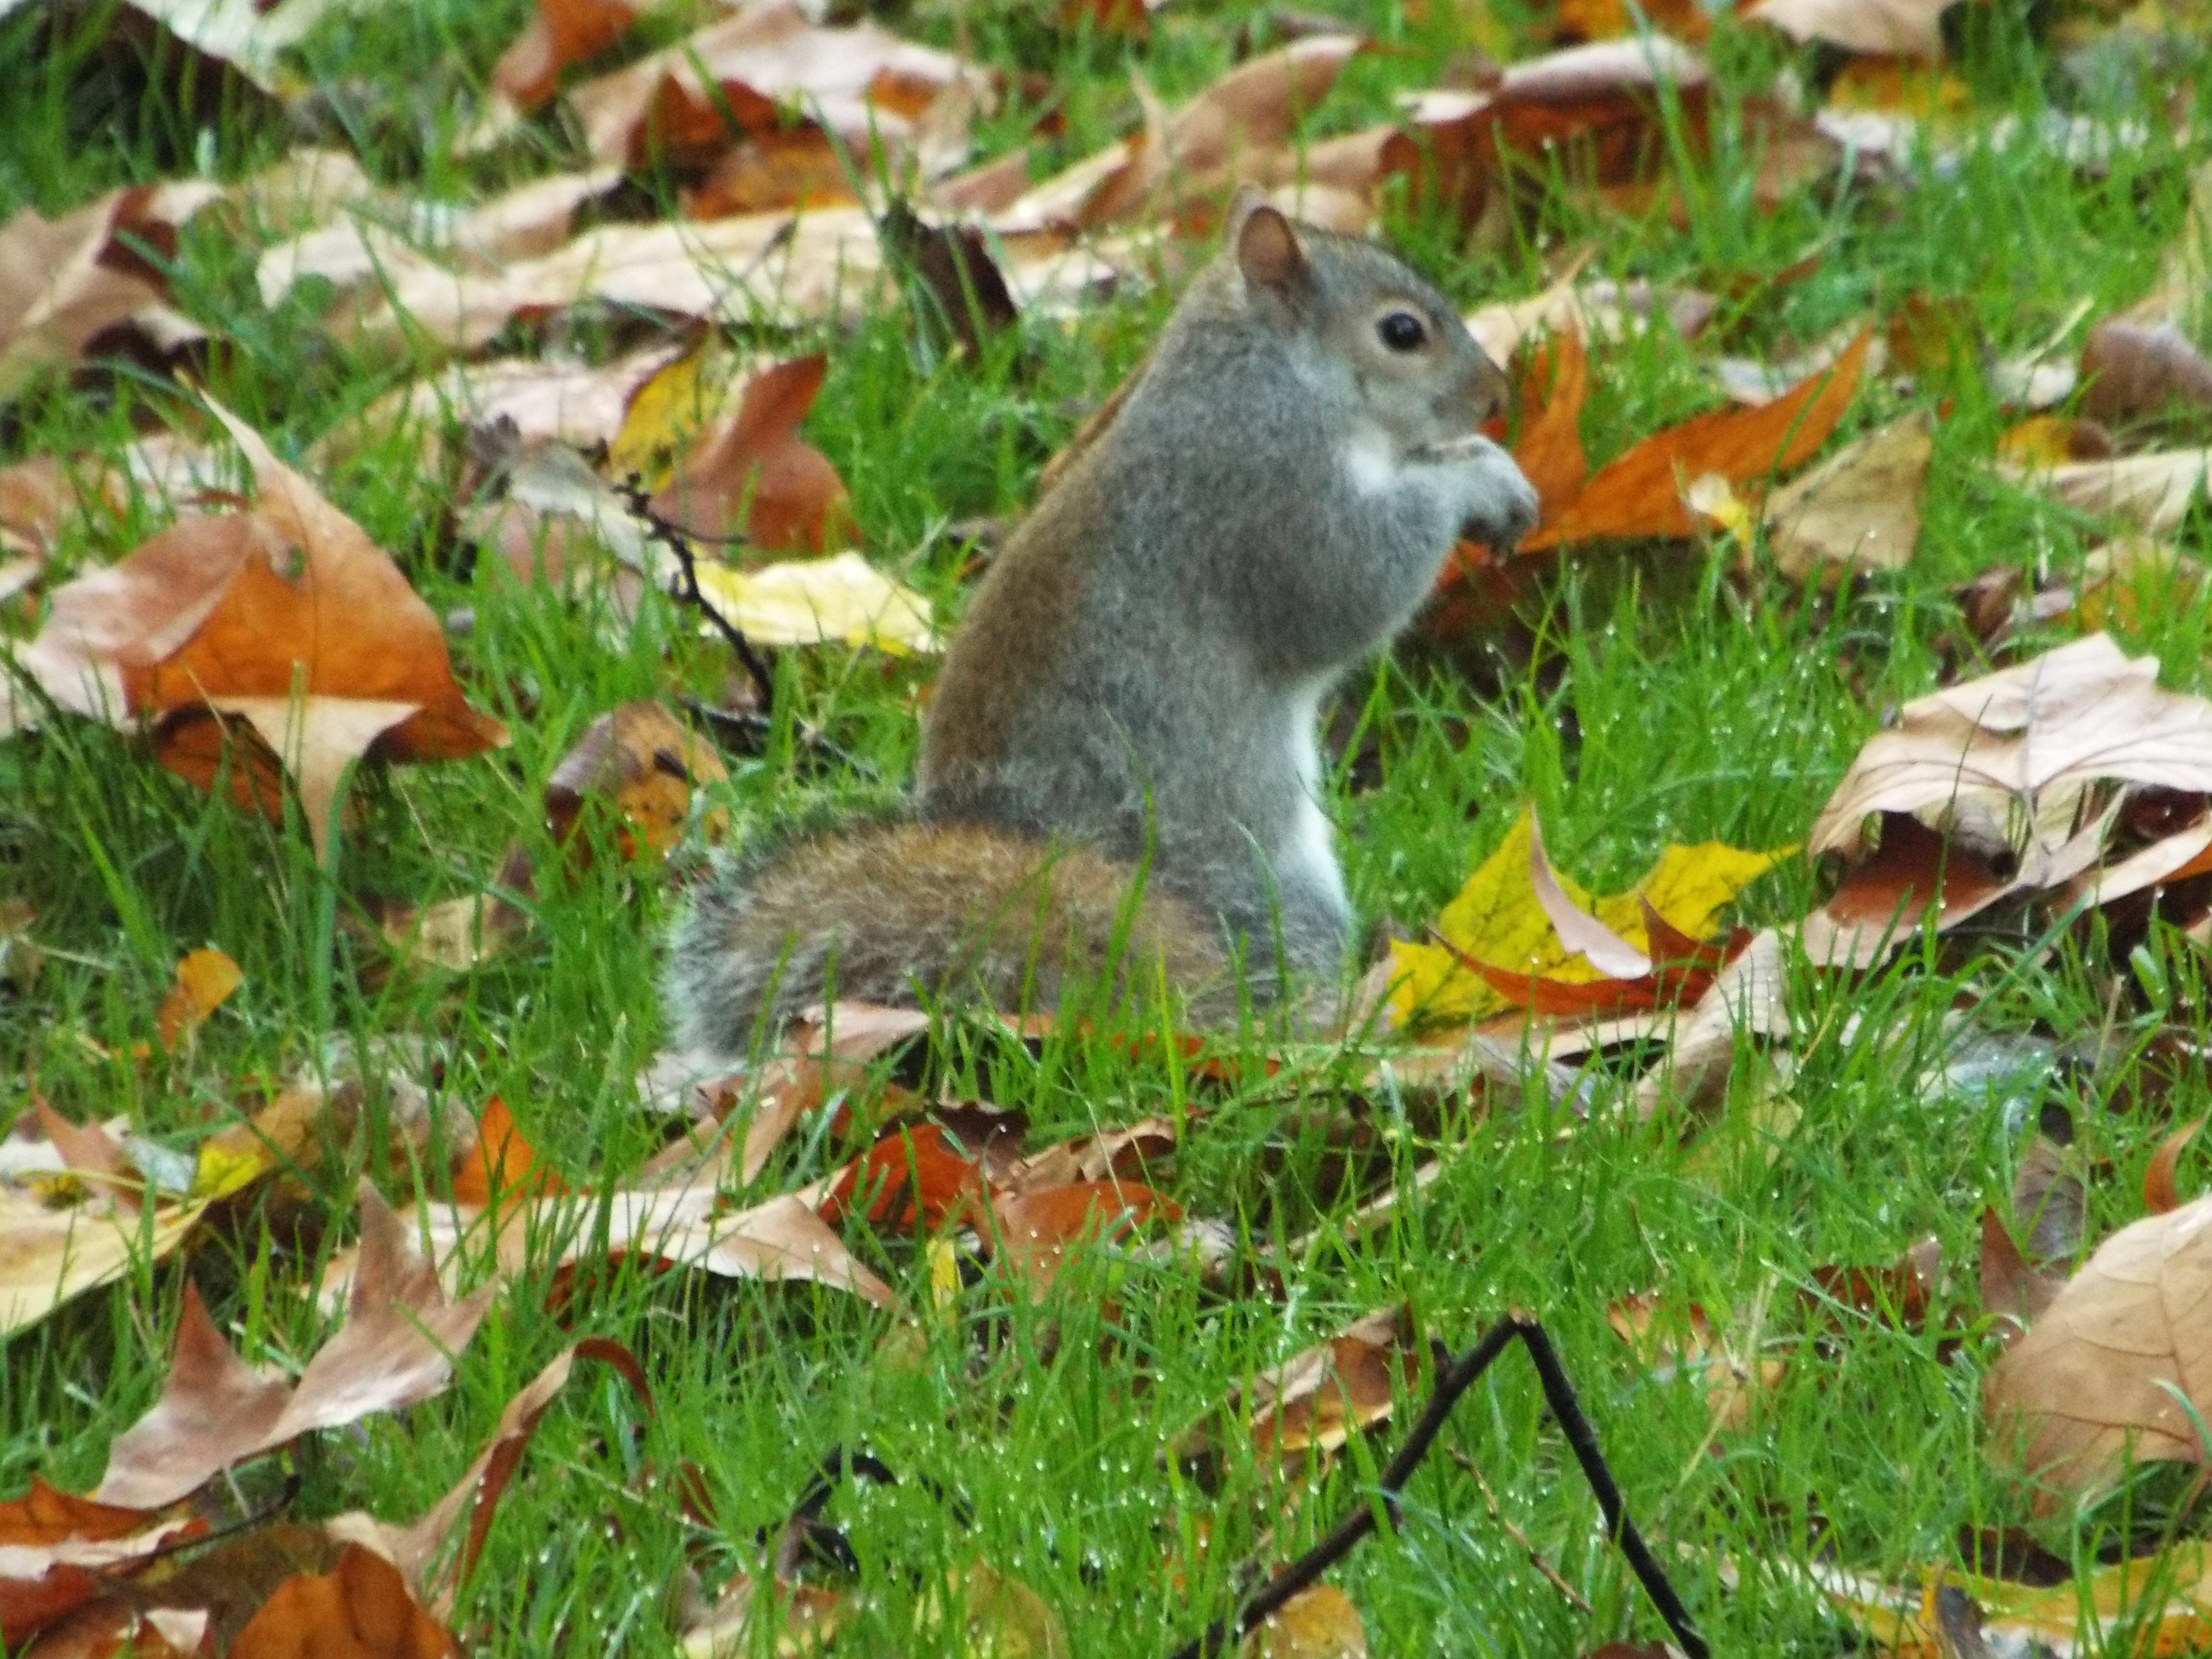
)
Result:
{"points": [[1858, 511], [2151, 491], [1639, 492], [1688, 1343], [66, 282], [1035, 1229], [57, 1550], [1902, 28], [2130, 371], [418, 1546], [2104, 1372], [2050, 1200], [880, 95], [2158, 1195], [795, 167], [754, 475], [2010, 1288], [395, 1348], [639, 762], [561, 34], [337, 660], [2015, 743], [205, 979], [360, 1610], [1304, 1410]]}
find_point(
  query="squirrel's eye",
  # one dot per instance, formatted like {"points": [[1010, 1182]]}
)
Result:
{"points": [[1401, 331]]}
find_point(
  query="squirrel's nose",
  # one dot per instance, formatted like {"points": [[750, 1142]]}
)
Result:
{"points": [[1487, 390]]}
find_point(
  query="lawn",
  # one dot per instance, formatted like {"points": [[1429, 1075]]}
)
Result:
{"points": [[1639, 695]]}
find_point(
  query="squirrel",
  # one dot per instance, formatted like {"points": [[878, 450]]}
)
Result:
{"points": [[1119, 779]]}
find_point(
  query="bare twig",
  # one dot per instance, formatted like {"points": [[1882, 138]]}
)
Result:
{"points": [[687, 591], [1456, 1380]]}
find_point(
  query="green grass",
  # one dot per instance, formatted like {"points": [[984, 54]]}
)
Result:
{"points": [[1666, 703]]}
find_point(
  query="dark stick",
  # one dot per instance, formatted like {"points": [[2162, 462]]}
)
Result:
{"points": [[677, 541], [1456, 1380]]}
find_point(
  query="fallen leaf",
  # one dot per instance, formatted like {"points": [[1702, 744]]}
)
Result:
{"points": [[560, 34], [394, 1348], [1856, 512], [52, 1253], [1904, 28], [2130, 372], [2117, 1367], [1319, 1623], [65, 282], [1639, 492], [1034, 1229], [880, 95], [359, 1610], [2151, 491], [58, 1552], [2011, 1289], [205, 979], [843, 600], [754, 476], [2158, 1196], [1686, 1344], [1498, 918], [1550, 447], [639, 760], [1301, 1412]]}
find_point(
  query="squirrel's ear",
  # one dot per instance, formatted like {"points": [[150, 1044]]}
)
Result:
{"points": [[1267, 243]]}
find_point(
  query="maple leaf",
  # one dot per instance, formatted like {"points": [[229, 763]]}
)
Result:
{"points": [[1502, 918]]}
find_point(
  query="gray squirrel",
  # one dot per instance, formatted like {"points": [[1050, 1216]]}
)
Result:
{"points": [[1119, 775]]}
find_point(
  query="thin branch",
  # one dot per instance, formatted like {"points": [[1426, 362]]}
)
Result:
{"points": [[678, 541], [1461, 1376]]}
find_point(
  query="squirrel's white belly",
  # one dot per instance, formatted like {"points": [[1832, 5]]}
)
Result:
{"points": [[1306, 857]]}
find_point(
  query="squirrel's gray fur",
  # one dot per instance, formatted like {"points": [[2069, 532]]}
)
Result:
{"points": [[1137, 678]]}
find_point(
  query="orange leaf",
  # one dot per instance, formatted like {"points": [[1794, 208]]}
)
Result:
{"points": [[916, 1177], [205, 980], [1550, 447], [1638, 494], [757, 477], [562, 34], [504, 1165], [2158, 1195], [361, 1609]]}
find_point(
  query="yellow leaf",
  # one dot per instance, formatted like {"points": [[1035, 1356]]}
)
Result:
{"points": [[205, 980], [819, 601], [1319, 1623], [1498, 919], [669, 410]]}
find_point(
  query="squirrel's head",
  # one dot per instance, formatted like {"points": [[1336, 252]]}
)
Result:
{"points": [[1416, 368]]}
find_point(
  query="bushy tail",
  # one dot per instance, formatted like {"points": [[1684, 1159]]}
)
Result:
{"points": [[896, 912]]}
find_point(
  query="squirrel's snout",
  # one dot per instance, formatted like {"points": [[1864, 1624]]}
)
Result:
{"points": [[1488, 393]]}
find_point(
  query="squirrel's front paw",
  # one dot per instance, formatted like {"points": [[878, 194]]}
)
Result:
{"points": [[1498, 504]]}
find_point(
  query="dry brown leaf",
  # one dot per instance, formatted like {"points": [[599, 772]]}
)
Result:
{"points": [[677, 1220], [360, 1609], [2011, 1288], [1856, 512], [2119, 1365], [1033, 1230], [560, 34], [2158, 1196], [1639, 494], [754, 475], [1302, 1412], [58, 1550], [745, 271], [65, 283], [395, 1348], [1902, 28], [2025, 741], [878, 94], [2131, 371], [205, 979], [641, 761], [50, 1253], [338, 660], [2152, 491]]}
